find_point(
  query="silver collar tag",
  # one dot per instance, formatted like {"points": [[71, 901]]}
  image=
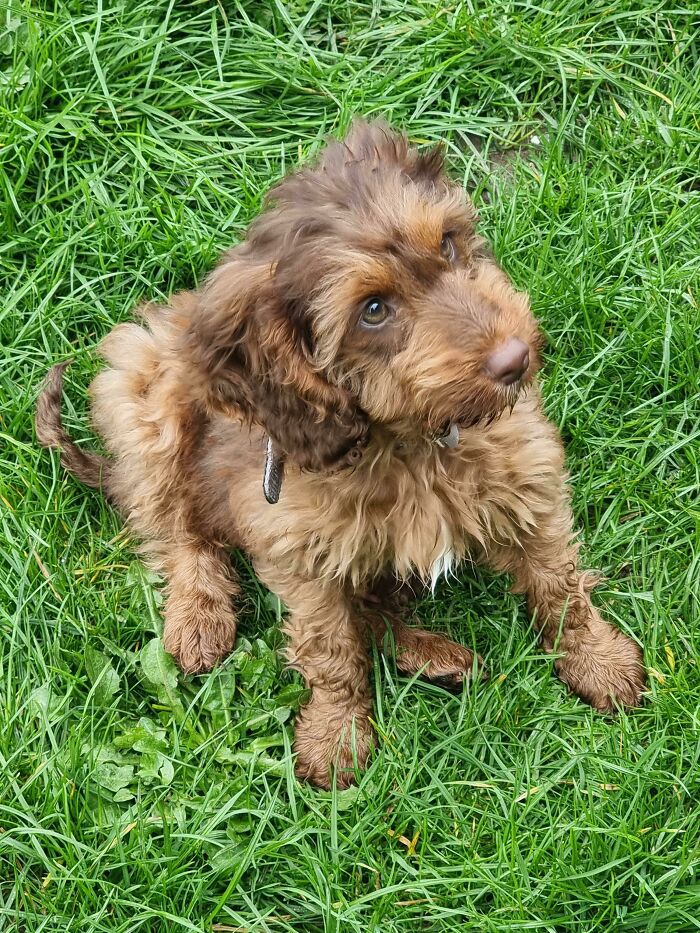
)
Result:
{"points": [[450, 439], [273, 474]]}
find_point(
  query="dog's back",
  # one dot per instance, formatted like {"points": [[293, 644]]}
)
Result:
{"points": [[143, 413]]}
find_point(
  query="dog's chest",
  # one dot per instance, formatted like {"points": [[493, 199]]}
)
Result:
{"points": [[425, 536], [444, 563], [407, 520]]}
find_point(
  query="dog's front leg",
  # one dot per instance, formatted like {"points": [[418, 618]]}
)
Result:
{"points": [[333, 734], [598, 662], [532, 538]]}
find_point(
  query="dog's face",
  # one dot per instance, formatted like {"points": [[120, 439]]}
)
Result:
{"points": [[368, 299]]}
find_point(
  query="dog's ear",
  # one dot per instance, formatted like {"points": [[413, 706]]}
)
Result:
{"points": [[250, 358], [377, 143]]}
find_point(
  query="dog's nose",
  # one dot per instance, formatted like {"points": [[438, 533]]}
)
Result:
{"points": [[508, 363]]}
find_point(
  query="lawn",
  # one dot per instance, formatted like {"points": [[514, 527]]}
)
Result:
{"points": [[136, 142]]}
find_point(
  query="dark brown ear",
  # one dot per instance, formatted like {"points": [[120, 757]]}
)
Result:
{"points": [[249, 355]]}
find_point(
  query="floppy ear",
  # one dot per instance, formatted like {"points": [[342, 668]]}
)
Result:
{"points": [[250, 359]]}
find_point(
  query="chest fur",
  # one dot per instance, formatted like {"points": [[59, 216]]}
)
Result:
{"points": [[409, 519], [418, 514]]}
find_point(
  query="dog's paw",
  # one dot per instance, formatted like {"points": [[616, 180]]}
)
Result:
{"points": [[603, 667], [333, 746], [451, 664], [440, 660], [202, 654], [198, 637]]}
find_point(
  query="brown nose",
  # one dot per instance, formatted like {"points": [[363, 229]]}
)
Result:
{"points": [[508, 363]]}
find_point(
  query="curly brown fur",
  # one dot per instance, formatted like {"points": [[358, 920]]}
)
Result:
{"points": [[286, 339]]}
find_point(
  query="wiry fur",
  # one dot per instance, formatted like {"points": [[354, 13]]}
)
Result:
{"points": [[272, 344]]}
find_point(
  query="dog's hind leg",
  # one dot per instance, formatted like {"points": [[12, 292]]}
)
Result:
{"points": [[436, 657], [199, 620]]}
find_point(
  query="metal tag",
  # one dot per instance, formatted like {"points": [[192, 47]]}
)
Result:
{"points": [[450, 439], [274, 472]]}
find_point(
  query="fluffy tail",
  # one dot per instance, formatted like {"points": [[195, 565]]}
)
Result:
{"points": [[90, 468]]}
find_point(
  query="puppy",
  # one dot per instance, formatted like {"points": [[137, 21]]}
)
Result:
{"points": [[350, 398]]}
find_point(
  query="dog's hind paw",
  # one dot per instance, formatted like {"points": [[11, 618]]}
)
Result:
{"points": [[198, 636], [440, 660]]}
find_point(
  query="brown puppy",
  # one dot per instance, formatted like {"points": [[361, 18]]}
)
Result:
{"points": [[365, 330]]}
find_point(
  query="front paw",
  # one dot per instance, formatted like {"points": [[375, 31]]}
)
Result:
{"points": [[602, 666], [332, 742]]}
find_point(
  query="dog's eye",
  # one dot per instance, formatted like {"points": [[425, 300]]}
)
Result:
{"points": [[448, 249], [374, 312]]}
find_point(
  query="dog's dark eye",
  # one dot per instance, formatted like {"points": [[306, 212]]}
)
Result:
{"points": [[448, 250], [374, 312]]}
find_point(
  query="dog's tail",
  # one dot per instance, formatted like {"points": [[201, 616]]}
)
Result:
{"points": [[90, 468]]}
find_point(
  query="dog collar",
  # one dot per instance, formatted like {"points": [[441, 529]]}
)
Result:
{"points": [[273, 473]]}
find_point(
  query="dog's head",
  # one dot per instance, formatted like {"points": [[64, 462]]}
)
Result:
{"points": [[362, 295]]}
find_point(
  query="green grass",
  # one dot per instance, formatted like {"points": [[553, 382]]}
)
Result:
{"points": [[136, 141]]}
